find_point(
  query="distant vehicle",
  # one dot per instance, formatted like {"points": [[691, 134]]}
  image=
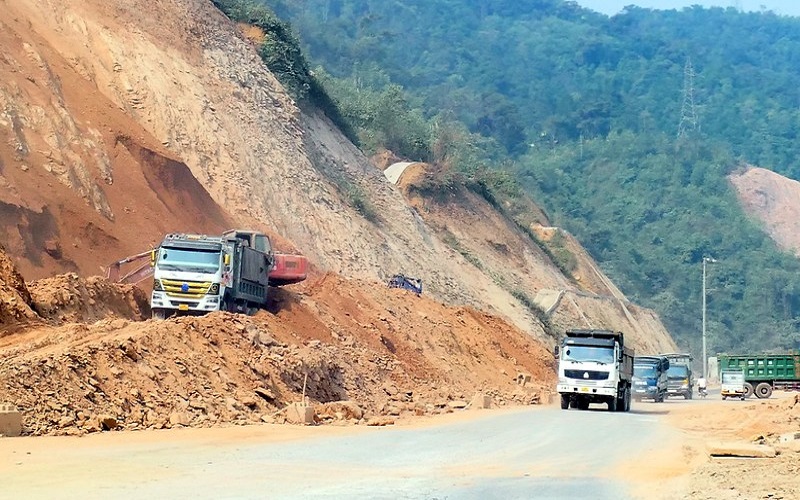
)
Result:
{"points": [[406, 282], [732, 384], [764, 373], [680, 381], [650, 378], [595, 366]]}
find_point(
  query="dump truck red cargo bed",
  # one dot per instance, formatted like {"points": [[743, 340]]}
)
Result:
{"points": [[288, 269]]}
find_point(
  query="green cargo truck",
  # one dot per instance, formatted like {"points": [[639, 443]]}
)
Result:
{"points": [[764, 373]]}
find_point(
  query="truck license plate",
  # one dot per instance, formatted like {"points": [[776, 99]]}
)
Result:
{"points": [[183, 307], [584, 389]]}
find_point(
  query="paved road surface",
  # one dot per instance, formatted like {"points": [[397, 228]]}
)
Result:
{"points": [[537, 452]]}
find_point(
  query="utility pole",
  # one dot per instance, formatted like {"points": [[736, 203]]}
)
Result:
{"points": [[706, 260], [688, 122]]}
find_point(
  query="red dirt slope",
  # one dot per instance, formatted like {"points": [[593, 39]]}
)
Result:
{"points": [[386, 352], [81, 183]]}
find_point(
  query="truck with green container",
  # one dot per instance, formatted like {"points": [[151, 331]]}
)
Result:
{"points": [[764, 373]]}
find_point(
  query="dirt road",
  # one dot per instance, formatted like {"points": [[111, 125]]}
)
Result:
{"points": [[656, 451], [496, 453]]}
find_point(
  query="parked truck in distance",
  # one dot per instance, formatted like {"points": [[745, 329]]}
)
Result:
{"points": [[764, 373], [595, 366], [650, 378], [680, 380]]}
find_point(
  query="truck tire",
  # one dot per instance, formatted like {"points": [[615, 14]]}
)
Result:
{"points": [[627, 400], [763, 390], [748, 389], [613, 403], [158, 314], [564, 402], [582, 404]]}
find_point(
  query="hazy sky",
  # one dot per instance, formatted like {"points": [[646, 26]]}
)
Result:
{"points": [[611, 7]]}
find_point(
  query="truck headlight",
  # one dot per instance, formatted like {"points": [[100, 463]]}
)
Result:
{"points": [[213, 289], [157, 286]]}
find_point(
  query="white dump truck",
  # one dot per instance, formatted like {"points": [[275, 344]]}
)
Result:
{"points": [[595, 366]]}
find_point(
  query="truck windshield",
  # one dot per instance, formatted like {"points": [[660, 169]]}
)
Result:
{"points": [[589, 353], [732, 378], [644, 371], [199, 261], [678, 371]]}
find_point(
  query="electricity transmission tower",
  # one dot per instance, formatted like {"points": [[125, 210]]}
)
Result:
{"points": [[688, 121]]}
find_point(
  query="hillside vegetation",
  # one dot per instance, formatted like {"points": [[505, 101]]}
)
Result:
{"points": [[625, 128]]}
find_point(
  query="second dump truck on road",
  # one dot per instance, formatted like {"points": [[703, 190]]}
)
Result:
{"points": [[595, 366], [650, 378]]}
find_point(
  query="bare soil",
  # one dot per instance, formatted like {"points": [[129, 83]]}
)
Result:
{"points": [[359, 351], [773, 200]]}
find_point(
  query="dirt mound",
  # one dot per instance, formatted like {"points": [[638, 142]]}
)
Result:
{"points": [[15, 300], [68, 298], [357, 350]]}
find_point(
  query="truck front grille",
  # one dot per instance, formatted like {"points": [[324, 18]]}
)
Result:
{"points": [[591, 374], [185, 289]]}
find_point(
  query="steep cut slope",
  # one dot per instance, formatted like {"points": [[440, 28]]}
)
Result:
{"points": [[81, 183], [775, 201], [521, 262]]}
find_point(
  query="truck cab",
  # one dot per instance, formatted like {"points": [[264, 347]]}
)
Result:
{"points": [[732, 384], [650, 378], [595, 366], [187, 275], [197, 274], [680, 381]]}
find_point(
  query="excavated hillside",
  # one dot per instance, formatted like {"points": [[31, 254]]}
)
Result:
{"points": [[772, 199], [539, 271], [359, 351], [124, 120]]}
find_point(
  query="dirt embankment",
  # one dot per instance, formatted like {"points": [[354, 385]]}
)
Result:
{"points": [[748, 422], [358, 350]]}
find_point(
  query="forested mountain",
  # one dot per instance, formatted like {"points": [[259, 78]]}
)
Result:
{"points": [[624, 128]]}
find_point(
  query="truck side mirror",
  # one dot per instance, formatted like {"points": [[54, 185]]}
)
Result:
{"points": [[555, 351]]}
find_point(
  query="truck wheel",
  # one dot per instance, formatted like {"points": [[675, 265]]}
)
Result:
{"points": [[748, 389], [627, 400], [583, 404], [159, 314], [724, 397], [612, 404], [763, 390], [564, 402]]}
